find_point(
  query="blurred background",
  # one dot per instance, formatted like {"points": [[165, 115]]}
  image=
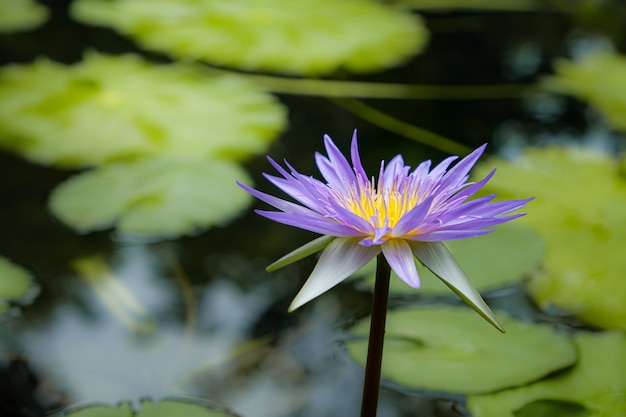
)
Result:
{"points": [[133, 267]]}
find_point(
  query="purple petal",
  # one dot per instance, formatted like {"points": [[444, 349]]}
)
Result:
{"points": [[297, 190], [328, 172], [347, 217], [278, 168], [472, 189], [356, 158], [488, 210], [341, 258], [398, 254], [480, 223], [412, 219], [320, 225], [458, 173], [440, 169], [278, 203], [392, 172], [451, 211], [441, 235], [422, 169], [339, 162]]}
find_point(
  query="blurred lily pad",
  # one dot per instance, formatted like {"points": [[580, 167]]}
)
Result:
{"points": [[19, 15], [453, 350], [599, 78], [109, 108], [301, 36], [15, 284], [503, 257], [579, 212], [597, 384], [496, 5], [164, 408], [153, 198]]}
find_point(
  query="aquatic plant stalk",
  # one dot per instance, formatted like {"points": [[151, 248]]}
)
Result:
{"points": [[371, 385]]}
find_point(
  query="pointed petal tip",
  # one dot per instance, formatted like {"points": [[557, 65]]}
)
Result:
{"points": [[436, 257], [296, 303]]}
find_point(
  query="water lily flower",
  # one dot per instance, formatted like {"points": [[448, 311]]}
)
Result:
{"points": [[405, 214]]}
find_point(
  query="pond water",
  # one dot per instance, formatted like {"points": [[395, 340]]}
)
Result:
{"points": [[116, 318]]}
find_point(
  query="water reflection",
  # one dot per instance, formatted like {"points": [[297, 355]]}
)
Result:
{"points": [[96, 350]]}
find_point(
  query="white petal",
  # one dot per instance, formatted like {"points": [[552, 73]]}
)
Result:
{"points": [[401, 260], [302, 252], [436, 257], [340, 259]]}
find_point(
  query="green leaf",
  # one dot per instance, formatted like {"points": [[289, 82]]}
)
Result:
{"points": [[18, 15], [597, 78], [597, 383], [311, 37], [169, 408], [302, 252], [452, 349], [496, 5], [503, 257], [156, 198], [121, 410], [15, 283], [552, 408], [106, 109], [164, 408], [579, 213]]}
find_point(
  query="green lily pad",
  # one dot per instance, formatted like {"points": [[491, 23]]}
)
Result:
{"points": [[503, 257], [301, 37], [15, 283], [552, 408], [597, 383], [153, 198], [164, 408], [18, 15], [453, 350], [496, 5], [579, 212], [599, 78], [107, 108]]}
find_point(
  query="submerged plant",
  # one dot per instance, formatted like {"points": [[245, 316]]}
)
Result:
{"points": [[402, 216]]}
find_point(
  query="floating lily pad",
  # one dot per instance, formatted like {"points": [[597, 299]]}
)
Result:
{"points": [[496, 5], [579, 212], [597, 384], [505, 256], [452, 349], [300, 36], [15, 284], [165, 408], [18, 15], [154, 198], [599, 78], [109, 108]]}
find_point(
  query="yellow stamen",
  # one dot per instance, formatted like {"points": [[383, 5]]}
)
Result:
{"points": [[382, 208]]}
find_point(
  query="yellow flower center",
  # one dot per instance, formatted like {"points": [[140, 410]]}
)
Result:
{"points": [[380, 208]]}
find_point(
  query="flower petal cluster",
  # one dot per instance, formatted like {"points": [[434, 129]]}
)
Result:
{"points": [[404, 213]]}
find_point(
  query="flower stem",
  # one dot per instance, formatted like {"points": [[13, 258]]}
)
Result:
{"points": [[377, 336]]}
